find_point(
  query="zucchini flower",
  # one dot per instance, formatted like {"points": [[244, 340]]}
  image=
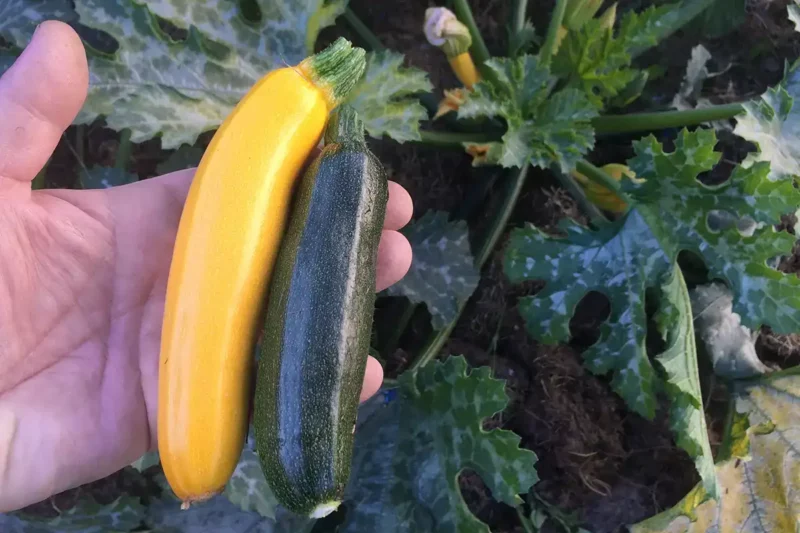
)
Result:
{"points": [[599, 195], [443, 29]]}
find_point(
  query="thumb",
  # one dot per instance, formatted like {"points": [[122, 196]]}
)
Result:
{"points": [[40, 95]]}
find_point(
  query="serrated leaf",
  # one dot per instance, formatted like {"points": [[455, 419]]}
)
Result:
{"points": [[730, 345], [759, 481], [772, 123], [679, 361], [156, 86], [442, 273], [384, 99], [636, 252], [544, 127], [87, 516], [99, 177], [412, 443], [248, 487], [19, 18], [596, 59], [186, 156]]}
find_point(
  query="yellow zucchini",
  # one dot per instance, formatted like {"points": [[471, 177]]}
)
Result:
{"points": [[227, 242]]}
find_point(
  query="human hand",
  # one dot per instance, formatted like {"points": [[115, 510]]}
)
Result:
{"points": [[82, 282]]}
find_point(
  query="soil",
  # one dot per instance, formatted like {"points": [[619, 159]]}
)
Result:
{"points": [[596, 459]]}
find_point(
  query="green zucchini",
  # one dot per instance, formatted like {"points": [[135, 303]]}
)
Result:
{"points": [[316, 334]]}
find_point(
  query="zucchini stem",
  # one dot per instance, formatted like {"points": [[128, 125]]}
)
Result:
{"points": [[589, 209], [336, 70], [634, 122], [450, 139], [547, 49], [438, 338], [518, 16]]}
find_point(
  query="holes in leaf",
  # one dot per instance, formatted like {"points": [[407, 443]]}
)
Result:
{"points": [[251, 11], [719, 221], [590, 313], [97, 40], [170, 30]]}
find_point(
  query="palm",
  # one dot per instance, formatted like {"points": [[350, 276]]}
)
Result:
{"points": [[82, 282]]}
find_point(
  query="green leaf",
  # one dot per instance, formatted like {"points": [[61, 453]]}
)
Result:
{"points": [[384, 99], [186, 156], [625, 258], [442, 273], [412, 443], [217, 514], [99, 177], [544, 127], [759, 480], [679, 361], [721, 18], [772, 123], [248, 487], [596, 60], [19, 18], [730, 345], [87, 516], [179, 89]]}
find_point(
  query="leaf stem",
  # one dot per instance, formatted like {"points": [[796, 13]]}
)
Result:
{"points": [[407, 312], [478, 51], [601, 178], [362, 30], [546, 51], [518, 15], [526, 524], [438, 338], [610, 124], [450, 139], [123, 150], [589, 209]]}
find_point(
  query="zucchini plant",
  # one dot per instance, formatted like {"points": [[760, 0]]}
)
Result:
{"points": [[171, 71]]}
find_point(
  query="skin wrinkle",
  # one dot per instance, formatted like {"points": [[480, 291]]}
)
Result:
{"points": [[8, 430]]}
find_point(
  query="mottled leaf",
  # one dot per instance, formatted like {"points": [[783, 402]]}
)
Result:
{"points": [[636, 252], [442, 273], [384, 99], [760, 474], [679, 361], [86, 516], [412, 443], [730, 345], [544, 127], [19, 18], [217, 514], [186, 156], [772, 123], [179, 89], [99, 177], [248, 487]]}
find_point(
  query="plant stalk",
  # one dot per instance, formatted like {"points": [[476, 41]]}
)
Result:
{"points": [[124, 150], [589, 209], [478, 51], [408, 309], [449, 139], [518, 15], [546, 51], [362, 30], [611, 124], [438, 338], [601, 178]]}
